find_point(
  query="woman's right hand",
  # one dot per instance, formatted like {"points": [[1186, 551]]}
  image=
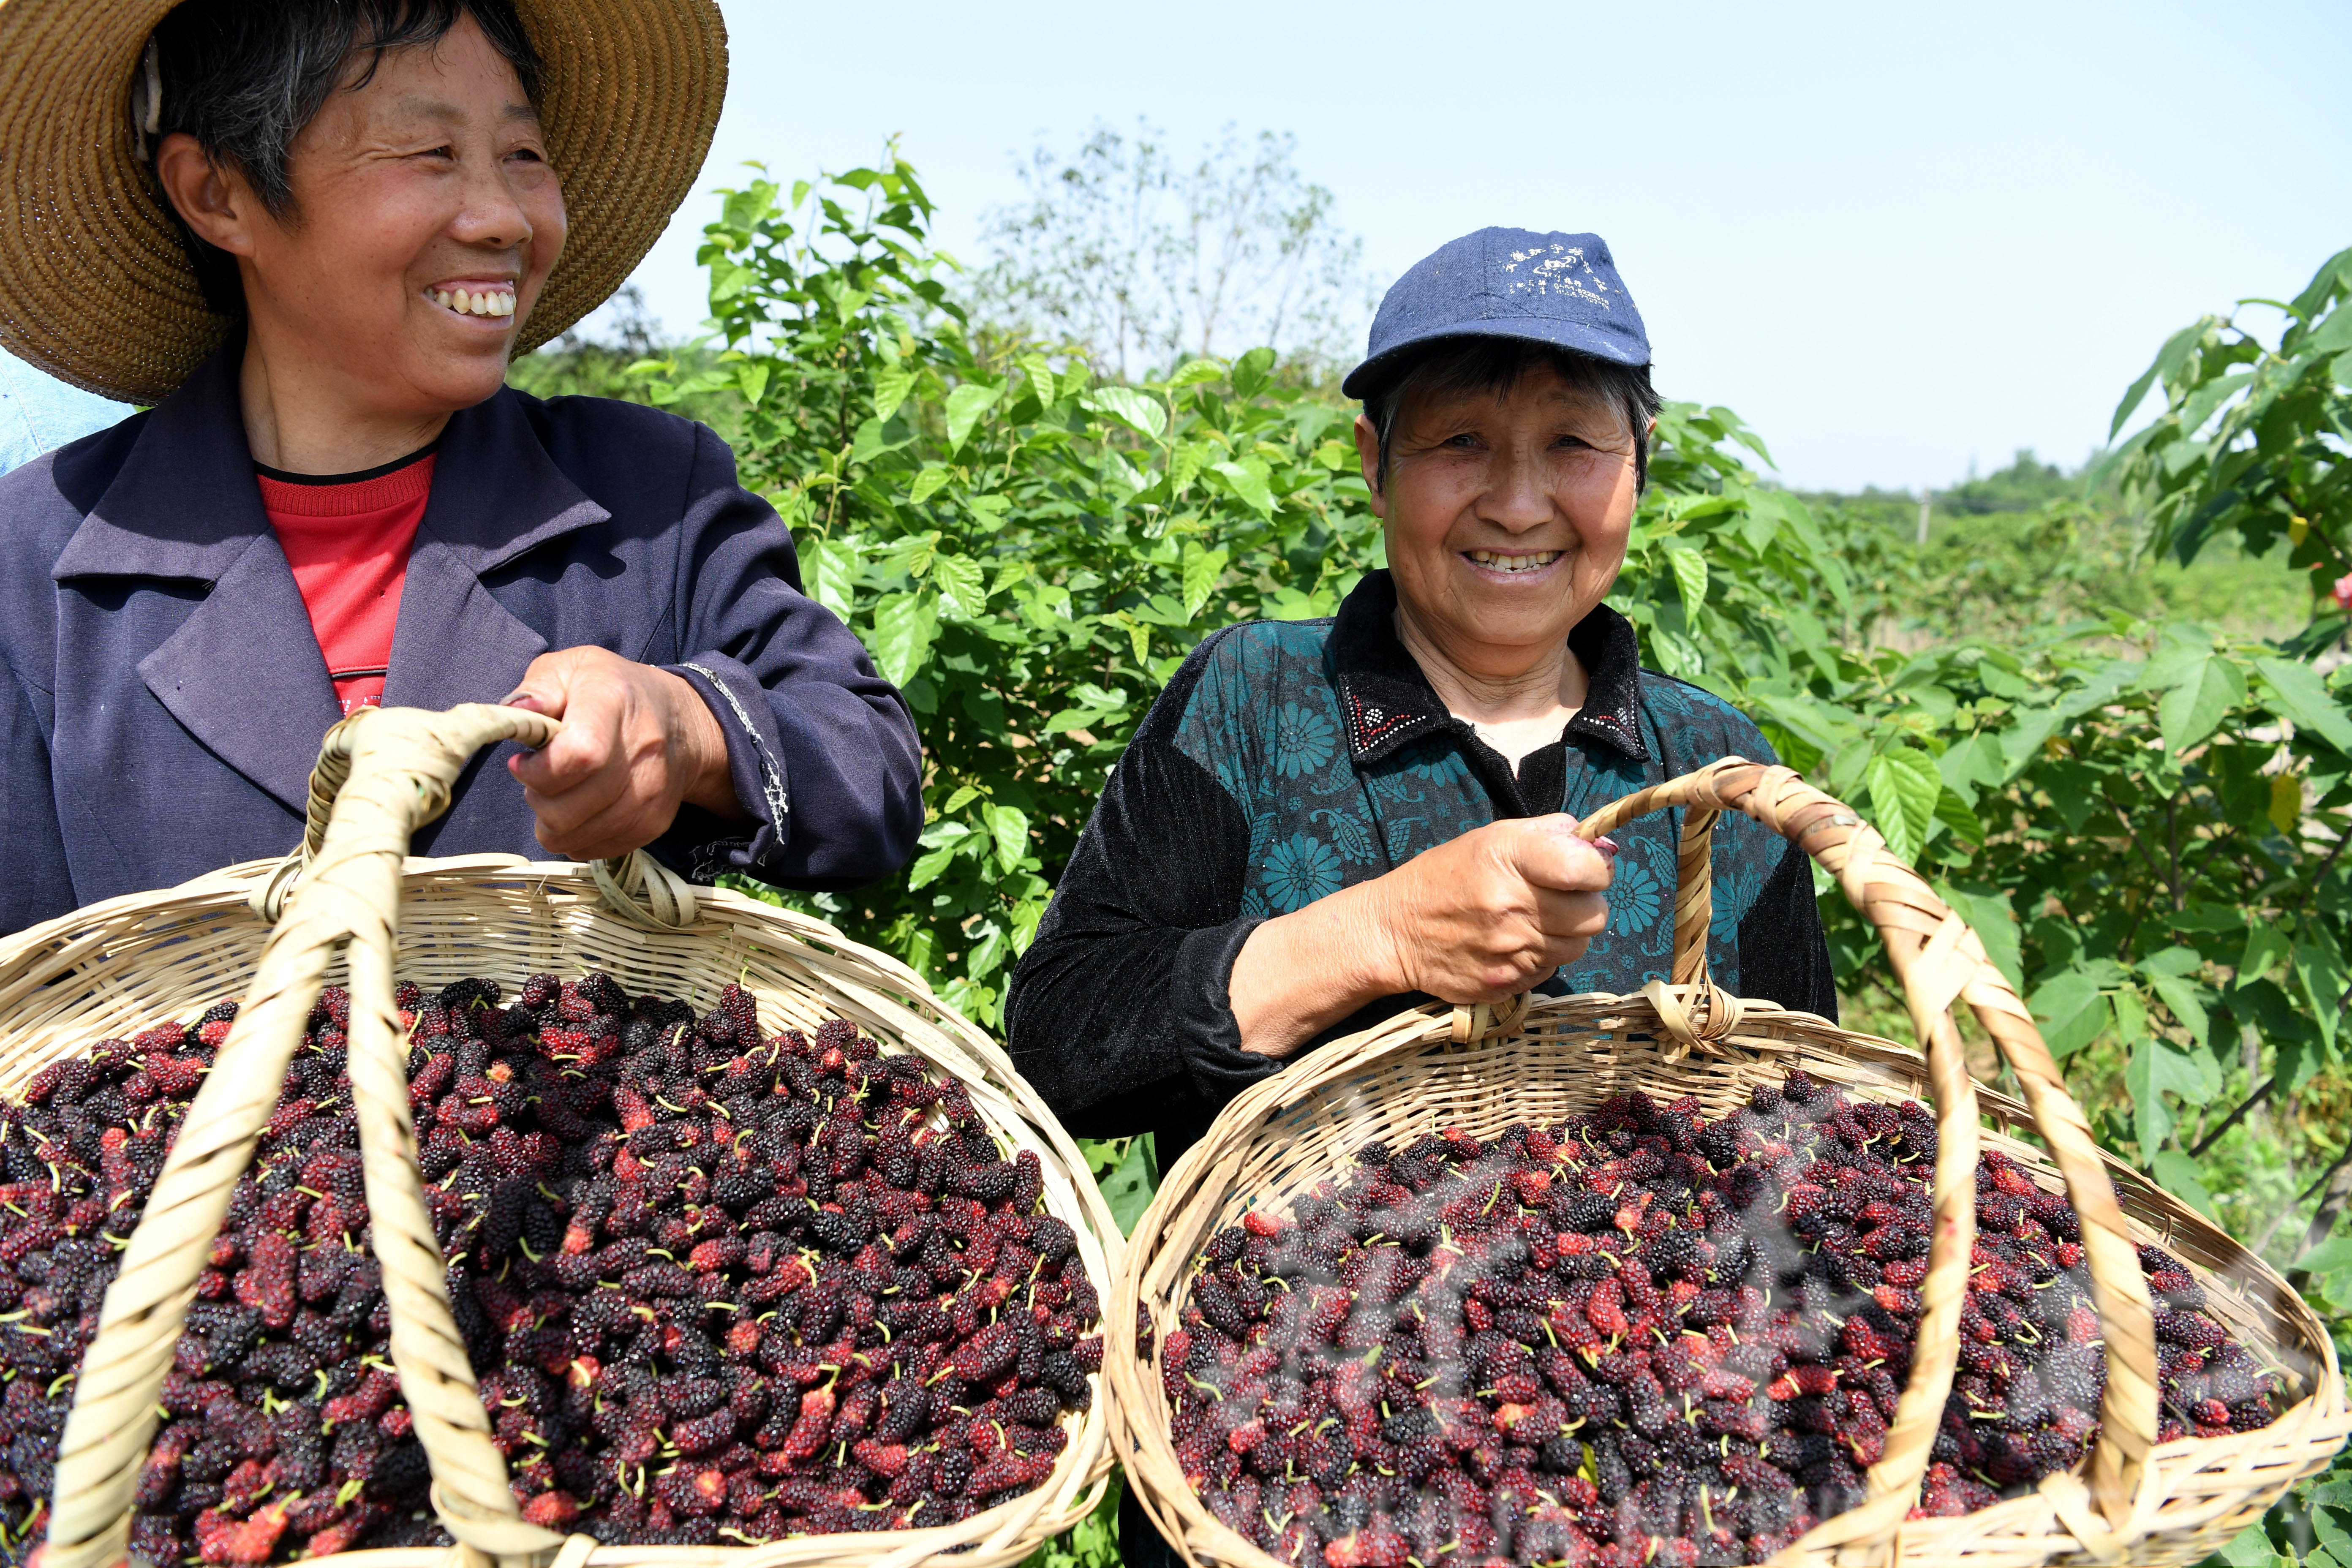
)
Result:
{"points": [[1485, 916], [1476, 919]]}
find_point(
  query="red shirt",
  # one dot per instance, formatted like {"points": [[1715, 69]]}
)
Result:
{"points": [[348, 539]]}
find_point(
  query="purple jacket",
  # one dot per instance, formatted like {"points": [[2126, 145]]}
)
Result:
{"points": [[163, 695]]}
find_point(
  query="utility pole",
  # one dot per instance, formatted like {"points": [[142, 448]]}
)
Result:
{"points": [[1927, 504]]}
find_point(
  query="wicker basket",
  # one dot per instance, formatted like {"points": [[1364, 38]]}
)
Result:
{"points": [[358, 908], [2136, 1501]]}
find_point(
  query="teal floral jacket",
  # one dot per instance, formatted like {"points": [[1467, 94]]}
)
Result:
{"points": [[1290, 759]]}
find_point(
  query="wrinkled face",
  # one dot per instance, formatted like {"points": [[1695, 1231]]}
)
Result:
{"points": [[425, 223], [1505, 516]]}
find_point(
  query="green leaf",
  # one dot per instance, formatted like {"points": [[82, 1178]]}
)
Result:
{"points": [[1690, 576], [2180, 1175], [1041, 377], [1904, 788], [1128, 1189], [1009, 826], [927, 869], [2266, 947], [928, 481], [2320, 970], [966, 404], [1184, 465], [829, 571], [2191, 710], [2333, 1255], [1252, 371], [903, 628], [1193, 372], [2070, 1011], [1133, 408], [1249, 481], [891, 389], [962, 798], [2183, 1001], [2249, 1548], [958, 580], [2303, 696], [1202, 569], [2168, 359]]}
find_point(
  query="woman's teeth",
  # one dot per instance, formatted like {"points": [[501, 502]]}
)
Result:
{"points": [[1535, 563], [484, 303]]}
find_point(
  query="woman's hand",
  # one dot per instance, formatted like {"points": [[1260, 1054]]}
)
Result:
{"points": [[637, 742], [1475, 920]]}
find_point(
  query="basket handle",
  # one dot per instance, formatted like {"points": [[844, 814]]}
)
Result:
{"points": [[1940, 961], [637, 888], [395, 771]]}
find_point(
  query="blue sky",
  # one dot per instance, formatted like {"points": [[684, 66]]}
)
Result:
{"points": [[1897, 239]]}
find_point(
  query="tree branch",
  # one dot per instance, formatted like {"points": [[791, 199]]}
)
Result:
{"points": [[2245, 1105], [2338, 1183]]}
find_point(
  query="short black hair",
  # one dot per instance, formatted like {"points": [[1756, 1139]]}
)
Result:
{"points": [[243, 77], [1460, 366]]}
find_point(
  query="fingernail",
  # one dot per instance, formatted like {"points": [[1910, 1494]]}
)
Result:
{"points": [[1607, 845]]}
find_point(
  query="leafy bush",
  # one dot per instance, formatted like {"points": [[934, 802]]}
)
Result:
{"points": [[2144, 818]]}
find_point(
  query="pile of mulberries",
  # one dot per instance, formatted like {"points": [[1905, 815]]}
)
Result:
{"points": [[1641, 1338], [718, 1288]]}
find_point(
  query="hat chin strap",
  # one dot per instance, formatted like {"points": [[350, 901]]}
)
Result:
{"points": [[146, 104]]}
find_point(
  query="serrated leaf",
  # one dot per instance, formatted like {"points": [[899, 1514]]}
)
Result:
{"points": [[2195, 708], [1202, 569], [2301, 694], [928, 482], [962, 798], [1193, 372], [1904, 788], [1008, 826], [903, 628], [966, 404], [1138, 410], [1012, 572], [891, 389], [751, 380], [1690, 577]]}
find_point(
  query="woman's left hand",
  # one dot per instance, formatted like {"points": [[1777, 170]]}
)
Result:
{"points": [[637, 742]]}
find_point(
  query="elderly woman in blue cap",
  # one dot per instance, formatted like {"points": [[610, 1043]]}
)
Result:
{"points": [[1322, 822]]}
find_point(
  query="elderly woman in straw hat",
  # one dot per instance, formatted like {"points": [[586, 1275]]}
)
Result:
{"points": [[312, 233]]}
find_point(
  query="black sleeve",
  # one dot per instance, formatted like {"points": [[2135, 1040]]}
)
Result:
{"points": [[1784, 955], [1118, 1012]]}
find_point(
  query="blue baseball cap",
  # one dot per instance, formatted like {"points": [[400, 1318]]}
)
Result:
{"points": [[1556, 288]]}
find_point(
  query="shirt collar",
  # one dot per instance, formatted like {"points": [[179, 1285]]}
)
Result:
{"points": [[1388, 703]]}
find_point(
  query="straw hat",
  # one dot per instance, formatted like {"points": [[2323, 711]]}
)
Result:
{"points": [[94, 286]]}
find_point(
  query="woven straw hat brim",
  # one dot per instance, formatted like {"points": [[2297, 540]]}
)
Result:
{"points": [[94, 286]]}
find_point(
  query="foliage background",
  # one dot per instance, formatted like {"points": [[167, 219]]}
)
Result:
{"points": [[2106, 713]]}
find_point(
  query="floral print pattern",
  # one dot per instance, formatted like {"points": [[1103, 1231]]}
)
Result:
{"points": [[1265, 721]]}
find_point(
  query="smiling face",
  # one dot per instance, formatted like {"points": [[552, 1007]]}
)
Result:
{"points": [[1506, 515], [424, 222]]}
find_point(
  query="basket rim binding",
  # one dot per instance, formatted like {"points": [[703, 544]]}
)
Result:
{"points": [[1940, 962], [67, 967]]}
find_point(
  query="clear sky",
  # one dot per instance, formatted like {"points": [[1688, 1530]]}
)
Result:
{"points": [[1898, 240]]}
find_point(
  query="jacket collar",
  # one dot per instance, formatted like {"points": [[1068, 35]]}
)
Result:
{"points": [[1388, 703], [243, 673]]}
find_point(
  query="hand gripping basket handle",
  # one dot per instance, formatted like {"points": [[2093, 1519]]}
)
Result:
{"points": [[392, 770], [1940, 961], [639, 889]]}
